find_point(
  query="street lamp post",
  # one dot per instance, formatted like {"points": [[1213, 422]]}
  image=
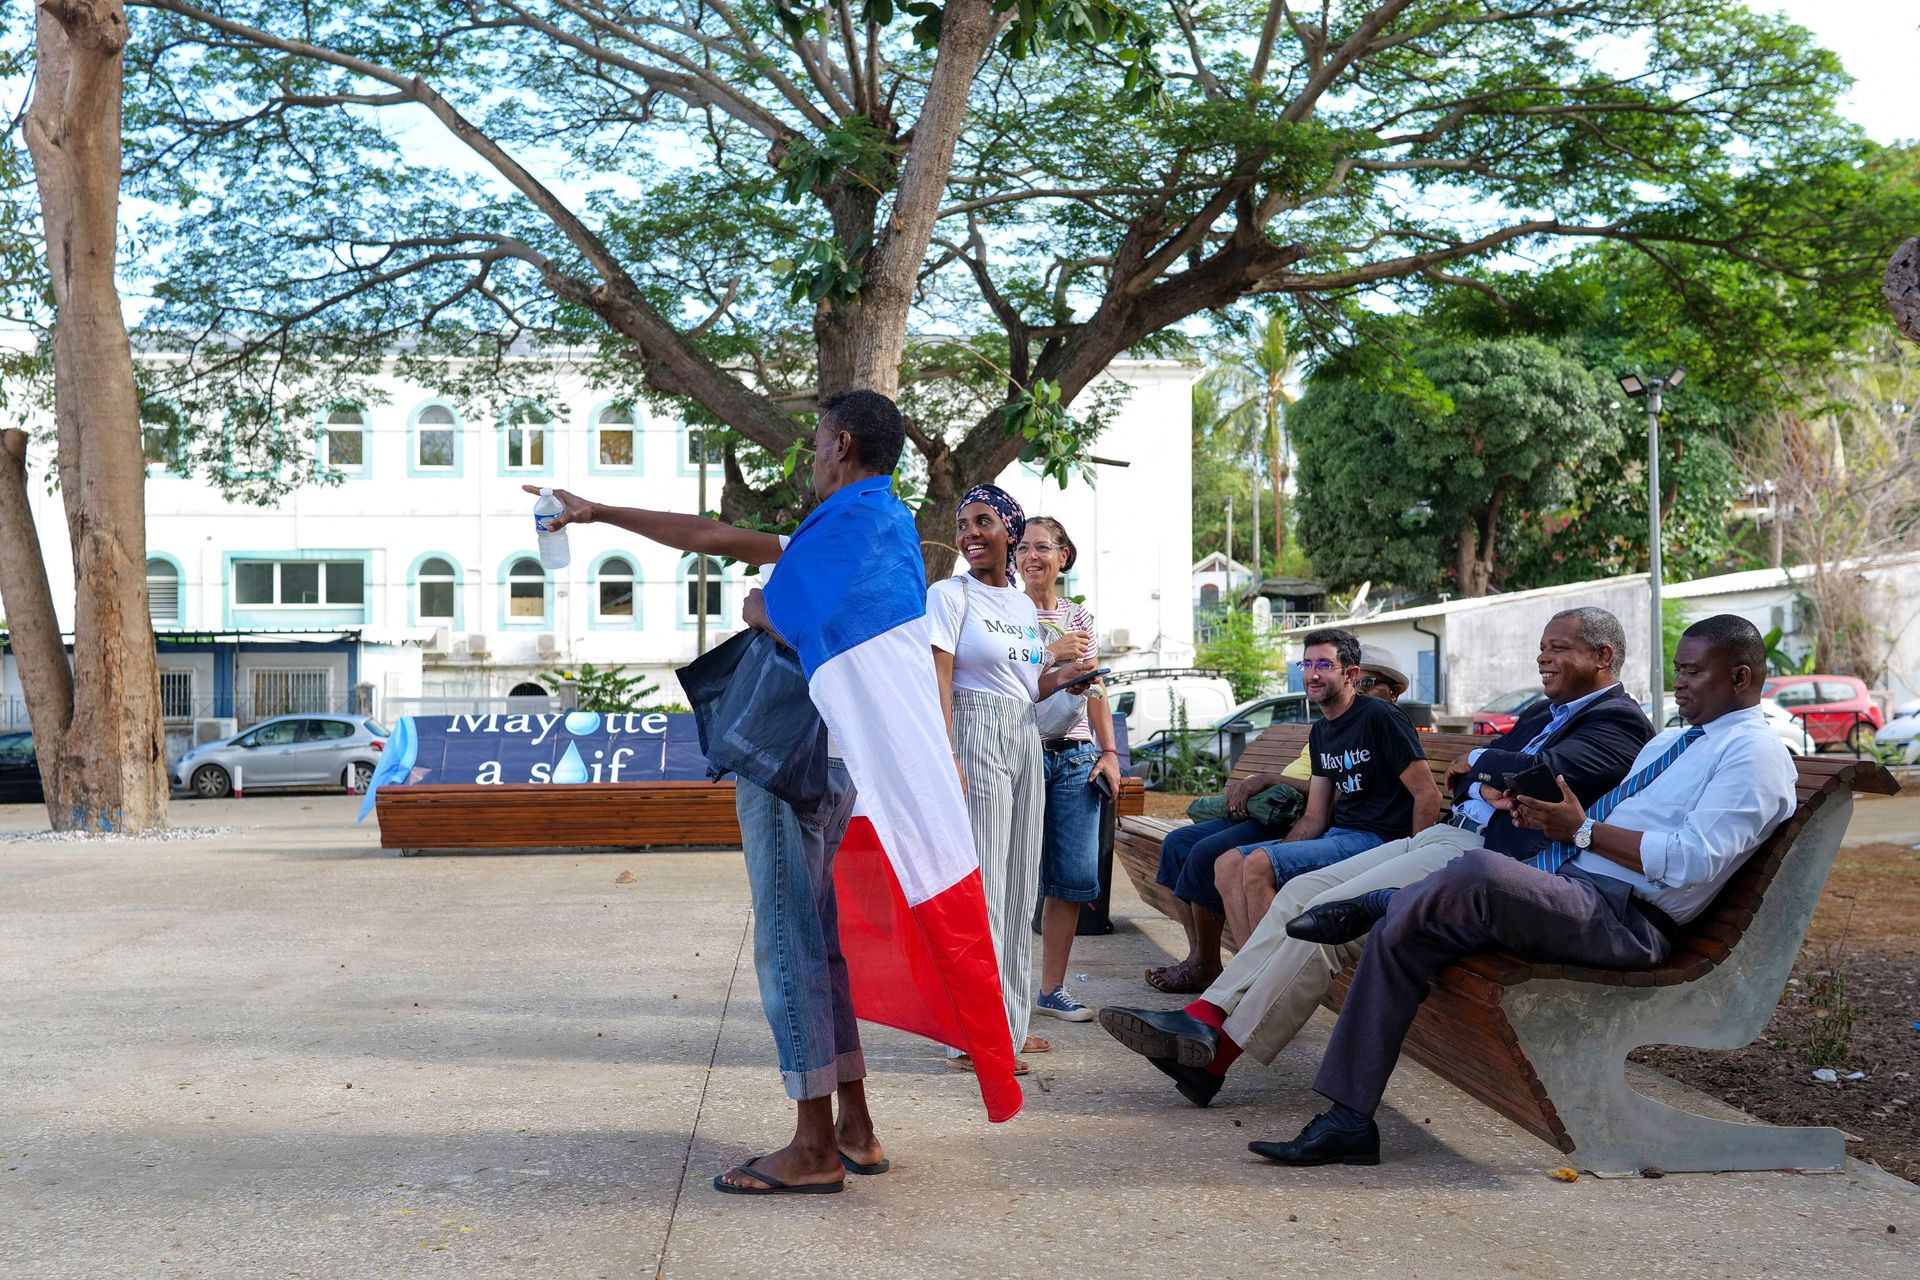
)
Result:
{"points": [[1651, 390]]}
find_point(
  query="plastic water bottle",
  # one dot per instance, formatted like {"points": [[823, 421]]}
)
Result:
{"points": [[553, 542]]}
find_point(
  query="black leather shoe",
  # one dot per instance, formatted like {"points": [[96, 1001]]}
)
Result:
{"points": [[1162, 1033], [1321, 1143], [1195, 1085], [1332, 923]]}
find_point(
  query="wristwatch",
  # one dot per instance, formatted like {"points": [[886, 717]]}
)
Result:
{"points": [[1583, 838]]}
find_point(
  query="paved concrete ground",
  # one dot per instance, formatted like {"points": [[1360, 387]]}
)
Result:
{"points": [[280, 1052], [1886, 819]]}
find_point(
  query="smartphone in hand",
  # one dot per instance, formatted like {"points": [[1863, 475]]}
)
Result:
{"points": [[1537, 783]]}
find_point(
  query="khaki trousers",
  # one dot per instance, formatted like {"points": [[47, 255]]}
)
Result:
{"points": [[1272, 986]]}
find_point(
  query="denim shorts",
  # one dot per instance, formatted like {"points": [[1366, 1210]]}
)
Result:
{"points": [[1070, 843], [1336, 844]]}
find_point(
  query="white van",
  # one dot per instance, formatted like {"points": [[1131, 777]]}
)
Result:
{"points": [[1147, 698]]}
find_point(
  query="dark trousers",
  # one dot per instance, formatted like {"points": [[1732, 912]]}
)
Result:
{"points": [[1187, 856], [1479, 901]]}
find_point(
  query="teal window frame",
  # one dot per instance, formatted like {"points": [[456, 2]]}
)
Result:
{"points": [[269, 616], [177, 463], [459, 429], [682, 441], [503, 580], [320, 460], [179, 622], [689, 620], [414, 616], [595, 621], [595, 467], [549, 443]]}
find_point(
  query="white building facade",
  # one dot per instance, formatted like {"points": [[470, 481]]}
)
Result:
{"points": [[417, 573]]}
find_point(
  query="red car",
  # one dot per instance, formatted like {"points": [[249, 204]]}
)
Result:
{"points": [[1835, 709], [1500, 715]]}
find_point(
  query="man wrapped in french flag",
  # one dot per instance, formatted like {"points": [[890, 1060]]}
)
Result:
{"points": [[850, 597]]}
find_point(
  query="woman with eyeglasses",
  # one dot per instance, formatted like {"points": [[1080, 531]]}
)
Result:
{"points": [[993, 663], [1076, 762]]}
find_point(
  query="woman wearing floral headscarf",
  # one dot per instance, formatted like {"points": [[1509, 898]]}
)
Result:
{"points": [[991, 660]]}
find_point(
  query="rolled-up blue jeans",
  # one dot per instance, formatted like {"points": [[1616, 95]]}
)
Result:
{"points": [[796, 934], [1335, 844]]}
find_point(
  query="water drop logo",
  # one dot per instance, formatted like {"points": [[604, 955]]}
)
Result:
{"points": [[571, 768], [582, 723]]}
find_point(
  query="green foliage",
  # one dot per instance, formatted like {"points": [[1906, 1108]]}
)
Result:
{"points": [[723, 195], [1238, 649], [1392, 479], [1782, 663], [604, 689], [1673, 624], [1187, 771]]}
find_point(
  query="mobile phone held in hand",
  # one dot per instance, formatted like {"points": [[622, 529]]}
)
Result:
{"points": [[1537, 783], [1095, 674], [1099, 783]]}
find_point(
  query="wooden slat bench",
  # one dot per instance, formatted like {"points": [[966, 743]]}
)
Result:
{"points": [[584, 815], [1545, 1045]]}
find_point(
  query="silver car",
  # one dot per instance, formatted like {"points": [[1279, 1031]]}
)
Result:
{"points": [[286, 751]]}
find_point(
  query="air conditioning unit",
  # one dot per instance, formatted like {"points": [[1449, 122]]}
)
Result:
{"points": [[1119, 638], [477, 648], [549, 645], [442, 643], [214, 729]]}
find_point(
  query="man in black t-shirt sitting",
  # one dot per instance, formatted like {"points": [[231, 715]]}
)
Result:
{"points": [[1370, 784]]}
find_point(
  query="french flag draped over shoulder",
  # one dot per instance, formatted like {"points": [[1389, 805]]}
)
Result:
{"points": [[850, 596]]}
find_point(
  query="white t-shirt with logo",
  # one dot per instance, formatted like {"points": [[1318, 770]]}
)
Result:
{"points": [[993, 634]]}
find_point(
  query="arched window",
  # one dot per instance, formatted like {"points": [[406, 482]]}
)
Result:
{"points": [[614, 593], [1209, 595], [163, 593], [527, 689], [526, 591], [614, 437], [343, 445], [434, 436], [435, 584], [527, 437], [716, 580]]}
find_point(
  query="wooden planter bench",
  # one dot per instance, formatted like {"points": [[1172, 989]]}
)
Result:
{"points": [[1546, 1045], [583, 815]]}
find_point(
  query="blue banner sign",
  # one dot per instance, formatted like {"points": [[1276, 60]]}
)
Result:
{"points": [[552, 748]]}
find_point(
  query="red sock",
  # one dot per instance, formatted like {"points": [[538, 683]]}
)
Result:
{"points": [[1214, 1016]]}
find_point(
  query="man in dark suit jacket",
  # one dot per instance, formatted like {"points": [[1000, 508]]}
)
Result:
{"points": [[1588, 731]]}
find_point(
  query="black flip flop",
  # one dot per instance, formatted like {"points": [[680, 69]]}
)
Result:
{"points": [[864, 1170], [774, 1186]]}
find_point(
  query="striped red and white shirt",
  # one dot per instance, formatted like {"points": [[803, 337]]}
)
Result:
{"points": [[1070, 615]]}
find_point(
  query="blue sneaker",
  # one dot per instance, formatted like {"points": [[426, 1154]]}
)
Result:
{"points": [[1058, 1004]]}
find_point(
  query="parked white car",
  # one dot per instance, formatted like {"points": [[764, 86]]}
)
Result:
{"points": [[1786, 726], [1147, 698], [1898, 740]]}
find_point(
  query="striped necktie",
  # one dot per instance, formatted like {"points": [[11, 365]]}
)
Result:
{"points": [[1559, 853]]}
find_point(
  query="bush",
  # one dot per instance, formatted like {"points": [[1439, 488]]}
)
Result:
{"points": [[608, 690], [1242, 653]]}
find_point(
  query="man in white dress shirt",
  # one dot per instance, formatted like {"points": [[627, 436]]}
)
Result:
{"points": [[1638, 864]]}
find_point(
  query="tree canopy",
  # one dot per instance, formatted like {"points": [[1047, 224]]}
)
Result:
{"points": [[1409, 483], [742, 206]]}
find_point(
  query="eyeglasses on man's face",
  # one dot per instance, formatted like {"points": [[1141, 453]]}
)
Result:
{"points": [[1366, 684], [1315, 666]]}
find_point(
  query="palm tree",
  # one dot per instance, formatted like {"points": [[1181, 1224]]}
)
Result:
{"points": [[1251, 383]]}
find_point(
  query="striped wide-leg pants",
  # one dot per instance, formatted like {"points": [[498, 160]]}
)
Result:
{"points": [[998, 742]]}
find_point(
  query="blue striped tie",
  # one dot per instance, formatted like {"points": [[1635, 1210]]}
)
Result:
{"points": [[1558, 854]]}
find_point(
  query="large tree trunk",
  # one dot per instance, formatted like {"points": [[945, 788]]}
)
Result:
{"points": [[102, 757], [1902, 288]]}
